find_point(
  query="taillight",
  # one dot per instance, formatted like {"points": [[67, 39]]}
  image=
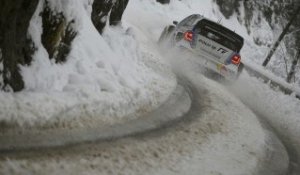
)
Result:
{"points": [[236, 59], [188, 36]]}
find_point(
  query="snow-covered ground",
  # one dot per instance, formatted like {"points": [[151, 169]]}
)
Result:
{"points": [[109, 77], [105, 78], [121, 73], [161, 15], [281, 111], [214, 139]]}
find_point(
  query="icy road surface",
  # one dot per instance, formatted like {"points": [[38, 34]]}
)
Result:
{"points": [[219, 135]]}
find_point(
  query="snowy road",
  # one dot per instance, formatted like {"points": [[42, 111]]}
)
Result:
{"points": [[279, 111], [203, 128], [16, 138], [273, 111], [212, 138]]}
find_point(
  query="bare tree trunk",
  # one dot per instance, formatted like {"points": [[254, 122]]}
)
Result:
{"points": [[163, 1], [292, 72], [283, 33], [117, 11], [101, 9], [15, 16], [57, 34]]}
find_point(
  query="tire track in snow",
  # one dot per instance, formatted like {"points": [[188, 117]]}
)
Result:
{"points": [[20, 139], [187, 144]]}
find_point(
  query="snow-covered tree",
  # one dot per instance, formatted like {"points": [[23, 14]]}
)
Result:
{"points": [[277, 14]]}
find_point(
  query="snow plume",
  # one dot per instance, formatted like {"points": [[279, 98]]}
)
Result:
{"points": [[104, 78]]}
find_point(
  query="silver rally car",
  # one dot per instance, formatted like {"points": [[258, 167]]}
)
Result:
{"points": [[217, 47]]}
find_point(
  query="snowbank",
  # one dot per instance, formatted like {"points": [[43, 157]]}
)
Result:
{"points": [[279, 110], [105, 77]]}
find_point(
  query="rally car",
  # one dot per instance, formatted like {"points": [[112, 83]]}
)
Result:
{"points": [[217, 47]]}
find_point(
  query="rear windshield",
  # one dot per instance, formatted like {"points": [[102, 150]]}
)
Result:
{"points": [[219, 34], [188, 21]]}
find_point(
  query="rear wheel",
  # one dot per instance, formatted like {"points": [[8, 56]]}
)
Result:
{"points": [[166, 34]]}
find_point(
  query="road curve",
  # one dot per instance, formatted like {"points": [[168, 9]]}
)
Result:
{"points": [[211, 133], [14, 139]]}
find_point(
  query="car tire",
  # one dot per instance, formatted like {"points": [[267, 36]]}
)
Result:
{"points": [[166, 34]]}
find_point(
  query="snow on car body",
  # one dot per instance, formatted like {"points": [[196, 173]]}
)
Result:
{"points": [[217, 46]]}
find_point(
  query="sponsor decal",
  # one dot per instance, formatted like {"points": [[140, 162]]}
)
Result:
{"points": [[222, 69], [219, 66], [220, 50]]}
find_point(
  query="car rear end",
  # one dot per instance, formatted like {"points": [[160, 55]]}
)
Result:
{"points": [[218, 46]]}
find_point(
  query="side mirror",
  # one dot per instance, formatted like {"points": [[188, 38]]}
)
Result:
{"points": [[175, 22]]}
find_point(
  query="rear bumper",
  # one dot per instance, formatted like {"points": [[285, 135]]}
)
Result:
{"points": [[225, 71], [229, 72]]}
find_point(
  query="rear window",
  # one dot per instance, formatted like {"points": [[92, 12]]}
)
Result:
{"points": [[188, 21], [219, 34]]}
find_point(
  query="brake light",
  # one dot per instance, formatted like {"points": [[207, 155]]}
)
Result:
{"points": [[236, 59], [188, 36]]}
